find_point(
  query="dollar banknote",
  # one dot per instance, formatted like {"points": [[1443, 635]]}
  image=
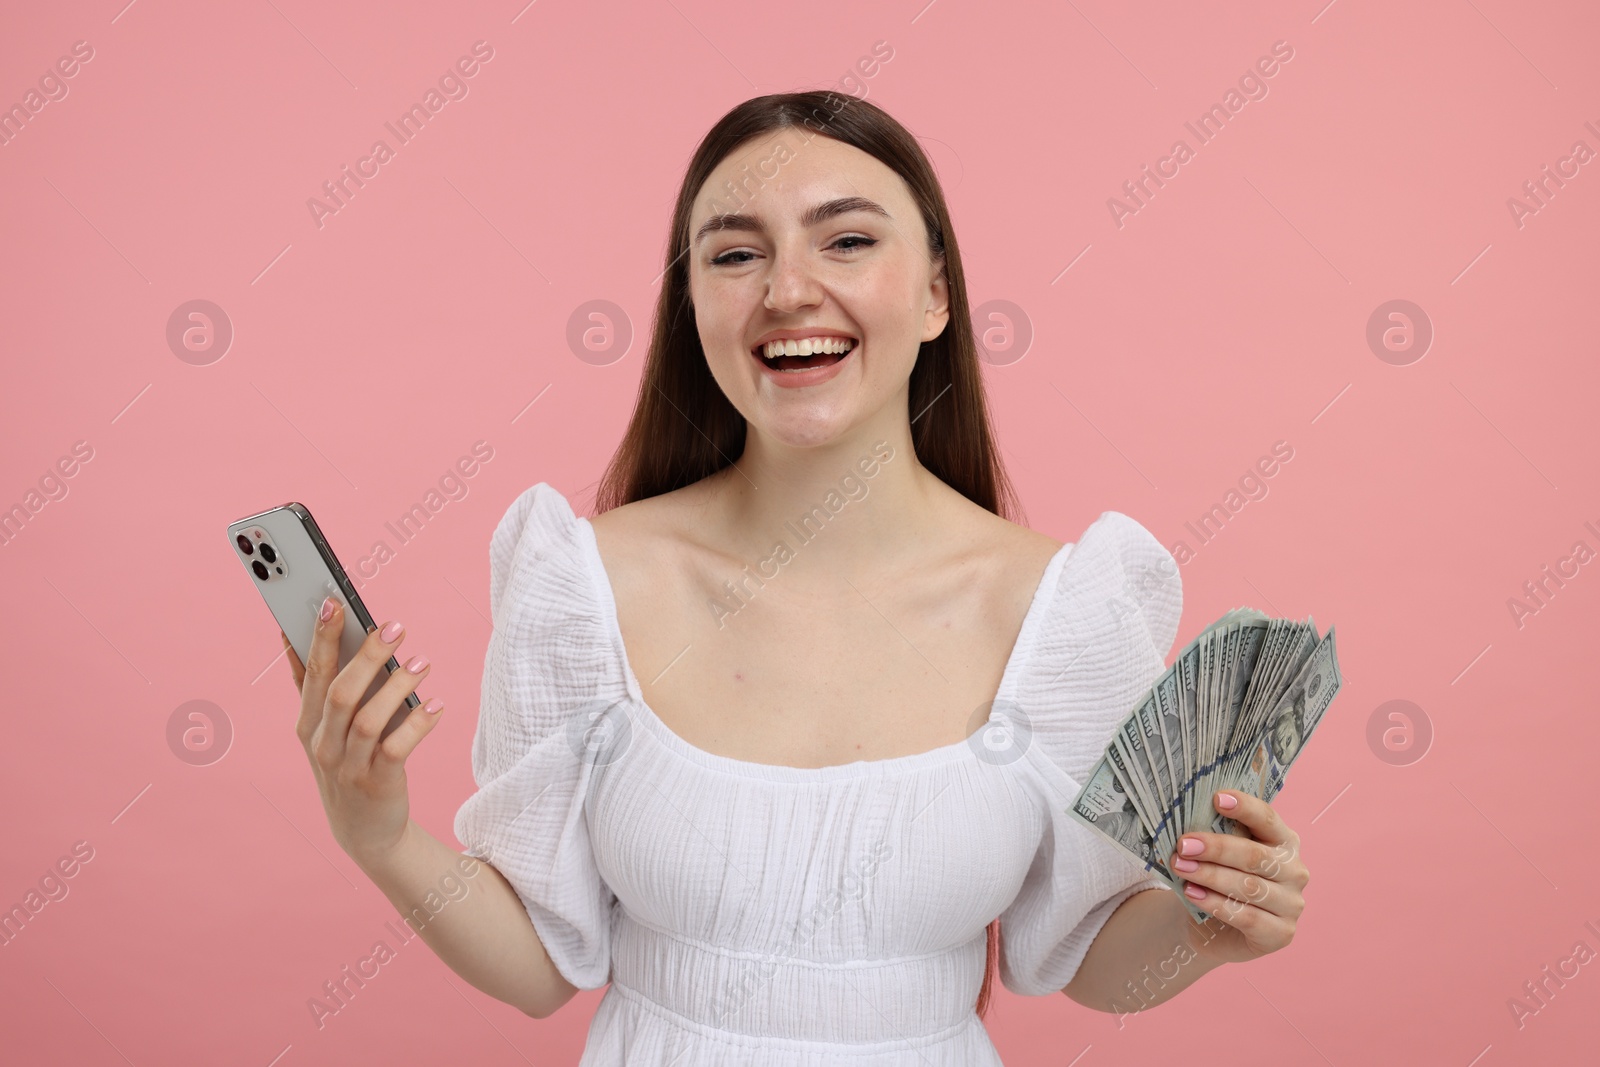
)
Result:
{"points": [[1234, 711]]}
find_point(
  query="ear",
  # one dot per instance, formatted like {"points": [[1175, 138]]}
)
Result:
{"points": [[937, 315]]}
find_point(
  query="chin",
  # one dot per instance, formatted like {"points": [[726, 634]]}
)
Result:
{"points": [[803, 436], [795, 429]]}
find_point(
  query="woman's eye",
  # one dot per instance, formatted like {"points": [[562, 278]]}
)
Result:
{"points": [[727, 258]]}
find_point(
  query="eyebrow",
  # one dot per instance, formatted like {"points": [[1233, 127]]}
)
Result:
{"points": [[814, 214]]}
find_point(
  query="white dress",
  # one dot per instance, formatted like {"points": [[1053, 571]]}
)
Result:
{"points": [[744, 912]]}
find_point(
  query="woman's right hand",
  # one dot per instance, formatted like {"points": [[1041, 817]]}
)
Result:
{"points": [[363, 780]]}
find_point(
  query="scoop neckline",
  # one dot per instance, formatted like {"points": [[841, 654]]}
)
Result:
{"points": [[784, 772]]}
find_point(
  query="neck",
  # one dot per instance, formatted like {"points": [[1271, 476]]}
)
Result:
{"points": [[852, 506]]}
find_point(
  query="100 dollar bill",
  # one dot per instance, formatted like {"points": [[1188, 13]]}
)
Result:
{"points": [[1233, 712]]}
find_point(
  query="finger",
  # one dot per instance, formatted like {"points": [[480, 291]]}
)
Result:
{"points": [[296, 668], [389, 760], [1255, 815], [374, 715], [322, 664], [1274, 897], [1264, 930], [350, 687], [1278, 862]]}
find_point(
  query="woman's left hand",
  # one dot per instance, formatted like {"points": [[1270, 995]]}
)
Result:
{"points": [[1250, 886]]}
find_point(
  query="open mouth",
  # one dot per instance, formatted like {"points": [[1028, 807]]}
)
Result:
{"points": [[807, 354]]}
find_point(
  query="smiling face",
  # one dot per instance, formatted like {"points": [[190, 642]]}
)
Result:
{"points": [[825, 241]]}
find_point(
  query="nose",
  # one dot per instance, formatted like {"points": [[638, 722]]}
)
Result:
{"points": [[792, 285]]}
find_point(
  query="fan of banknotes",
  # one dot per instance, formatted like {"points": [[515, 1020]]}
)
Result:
{"points": [[1232, 712]]}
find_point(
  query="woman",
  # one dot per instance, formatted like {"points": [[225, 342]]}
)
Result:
{"points": [[831, 805]]}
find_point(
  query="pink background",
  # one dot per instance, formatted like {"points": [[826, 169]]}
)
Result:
{"points": [[371, 353]]}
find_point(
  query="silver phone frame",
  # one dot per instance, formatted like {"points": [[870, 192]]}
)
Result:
{"points": [[353, 601]]}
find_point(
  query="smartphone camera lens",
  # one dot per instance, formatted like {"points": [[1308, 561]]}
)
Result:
{"points": [[268, 554], [244, 544], [260, 569]]}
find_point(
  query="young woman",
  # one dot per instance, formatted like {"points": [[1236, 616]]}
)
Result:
{"points": [[781, 743]]}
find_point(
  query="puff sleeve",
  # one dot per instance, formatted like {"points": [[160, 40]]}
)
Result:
{"points": [[548, 657], [1111, 620]]}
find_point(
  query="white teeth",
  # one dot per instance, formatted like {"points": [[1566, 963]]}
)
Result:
{"points": [[808, 346]]}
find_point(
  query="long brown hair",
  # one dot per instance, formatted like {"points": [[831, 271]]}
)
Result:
{"points": [[684, 428]]}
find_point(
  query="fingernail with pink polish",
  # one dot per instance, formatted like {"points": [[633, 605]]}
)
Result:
{"points": [[1227, 801], [327, 609], [390, 632], [417, 664]]}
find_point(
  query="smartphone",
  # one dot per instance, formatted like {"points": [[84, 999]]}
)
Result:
{"points": [[294, 567]]}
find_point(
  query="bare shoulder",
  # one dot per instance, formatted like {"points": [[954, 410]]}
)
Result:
{"points": [[649, 524], [1023, 543], [641, 543], [1000, 557], [1022, 555], [991, 533]]}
